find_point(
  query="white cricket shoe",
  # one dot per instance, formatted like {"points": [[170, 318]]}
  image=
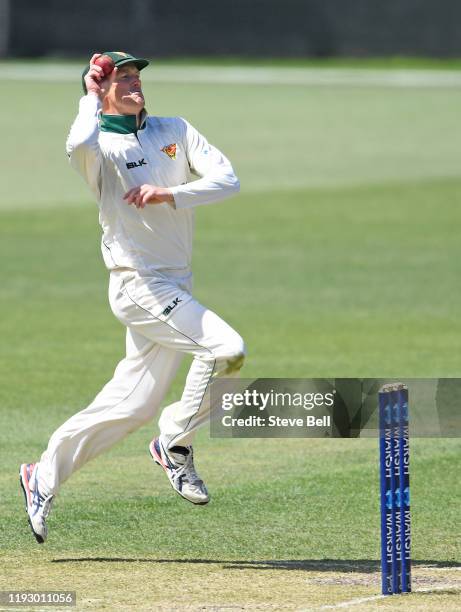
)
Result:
{"points": [[37, 505], [178, 463]]}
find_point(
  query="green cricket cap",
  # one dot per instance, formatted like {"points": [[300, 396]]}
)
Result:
{"points": [[119, 58]]}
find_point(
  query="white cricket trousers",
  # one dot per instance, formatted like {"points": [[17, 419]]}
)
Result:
{"points": [[163, 322]]}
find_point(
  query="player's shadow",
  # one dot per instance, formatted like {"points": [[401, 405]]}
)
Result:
{"points": [[361, 566]]}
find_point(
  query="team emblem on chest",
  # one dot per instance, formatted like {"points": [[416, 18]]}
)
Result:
{"points": [[170, 150]]}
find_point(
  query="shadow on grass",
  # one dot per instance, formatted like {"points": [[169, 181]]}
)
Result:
{"points": [[362, 566]]}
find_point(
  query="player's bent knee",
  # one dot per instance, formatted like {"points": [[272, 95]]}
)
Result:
{"points": [[235, 363], [228, 355], [234, 355]]}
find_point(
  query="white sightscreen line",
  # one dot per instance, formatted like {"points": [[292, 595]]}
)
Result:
{"points": [[4, 27], [248, 75]]}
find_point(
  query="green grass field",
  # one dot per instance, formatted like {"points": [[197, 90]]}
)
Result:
{"points": [[339, 258]]}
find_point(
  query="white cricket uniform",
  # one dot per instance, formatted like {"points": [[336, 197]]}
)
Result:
{"points": [[148, 252]]}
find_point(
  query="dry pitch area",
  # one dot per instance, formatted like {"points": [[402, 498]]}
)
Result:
{"points": [[200, 584]]}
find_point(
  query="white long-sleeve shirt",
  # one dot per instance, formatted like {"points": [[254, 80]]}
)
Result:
{"points": [[165, 151]]}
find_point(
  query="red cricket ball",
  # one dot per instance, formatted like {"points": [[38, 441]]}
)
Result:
{"points": [[106, 63]]}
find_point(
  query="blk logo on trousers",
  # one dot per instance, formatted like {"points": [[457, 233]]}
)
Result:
{"points": [[170, 307]]}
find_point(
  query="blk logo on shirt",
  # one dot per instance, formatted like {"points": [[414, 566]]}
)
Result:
{"points": [[138, 164]]}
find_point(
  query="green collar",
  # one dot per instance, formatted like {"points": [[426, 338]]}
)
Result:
{"points": [[121, 124]]}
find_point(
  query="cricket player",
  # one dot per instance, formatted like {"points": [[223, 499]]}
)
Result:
{"points": [[147, 174]]}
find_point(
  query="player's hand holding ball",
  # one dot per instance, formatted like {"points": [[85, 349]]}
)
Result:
{"points": [[101, 74], [148, 194]]}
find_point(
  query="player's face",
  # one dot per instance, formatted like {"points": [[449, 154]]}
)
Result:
{"points": [[125, 94]]}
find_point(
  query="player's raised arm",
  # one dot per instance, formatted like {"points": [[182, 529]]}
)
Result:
{"points": [[82, 143], [217, 178]]}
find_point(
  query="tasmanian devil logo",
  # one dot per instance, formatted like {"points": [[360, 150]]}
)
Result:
{"points": [[170, 307], [138, 164], [170, 150]]}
